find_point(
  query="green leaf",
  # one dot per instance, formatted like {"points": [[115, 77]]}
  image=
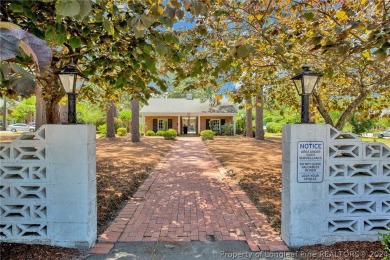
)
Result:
{"points": [[50, 33], [279, 49], [98, 16], [309, 16], [85, 8], [16, 8], [161, 49], [139, 34], [67, 8], [60, 38], [202, 30], [242, 51], [147, 48], [108, 26], [86, 31], [316, 40], [22, 71], [74, 42], [147, 21], [136, 24]]}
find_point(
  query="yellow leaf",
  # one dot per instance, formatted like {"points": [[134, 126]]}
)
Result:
{"points": [[251, 17], [258, 17], [366, 54], [341, 15], [218, 97], [363, 2]]}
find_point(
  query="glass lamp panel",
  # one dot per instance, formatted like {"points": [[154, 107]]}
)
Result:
{"points": [[310, 82], [298, 85], [79, 84], [68, 81]]}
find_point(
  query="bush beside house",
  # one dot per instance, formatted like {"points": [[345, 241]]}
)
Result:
{"points": [[207, 135]]}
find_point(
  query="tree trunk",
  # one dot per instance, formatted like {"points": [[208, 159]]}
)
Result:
{"points": [[52, 93], [4, 122], [259, 115], [135, 137], [110, 119], [249, 132], [40, 116], [345, 115], [52, 113]]}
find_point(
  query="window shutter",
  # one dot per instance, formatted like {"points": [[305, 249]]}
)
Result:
{"points": [[155, 126], [223, 121], [207, 124], [169, 123]]}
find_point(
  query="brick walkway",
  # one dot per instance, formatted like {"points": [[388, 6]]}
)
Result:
{"points": [[187, 197]]}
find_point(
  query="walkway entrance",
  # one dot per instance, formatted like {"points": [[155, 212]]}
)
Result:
{"points": [[189, 125], [187, 198]]}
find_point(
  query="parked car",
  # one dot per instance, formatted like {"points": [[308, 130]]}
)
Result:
{"points": [[20, 127], [385, 133]]}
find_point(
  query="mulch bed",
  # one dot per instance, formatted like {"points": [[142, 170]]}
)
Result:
{"points": [[121, 167], [261, 179]]}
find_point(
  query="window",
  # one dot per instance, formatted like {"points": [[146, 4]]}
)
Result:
{"points": [[215, 124], [162, 124]]}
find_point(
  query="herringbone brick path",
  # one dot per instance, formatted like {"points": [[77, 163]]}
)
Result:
{"points": [[187, 197]]}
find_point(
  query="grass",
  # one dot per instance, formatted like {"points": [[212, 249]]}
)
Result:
{"points": [[273, 135], [381, 140]]}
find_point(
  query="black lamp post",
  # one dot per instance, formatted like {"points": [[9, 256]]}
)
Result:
{"points": [[305, 82], [68, 77]]}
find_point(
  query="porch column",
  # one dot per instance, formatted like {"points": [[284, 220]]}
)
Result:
{"points": [[234, 126], [179, 125], [198, 125]]}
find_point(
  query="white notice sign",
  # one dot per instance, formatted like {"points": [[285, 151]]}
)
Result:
{"points": [[310, 161]]}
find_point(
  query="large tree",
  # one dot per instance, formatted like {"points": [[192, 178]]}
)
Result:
{"points": [[278, 36], [115, 44]]}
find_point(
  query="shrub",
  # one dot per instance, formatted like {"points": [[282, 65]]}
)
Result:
{"points": [[207, 135], [170, 134], [150, 133], [102, 129], [227, 129], [160, 133], [121, 131], [386, 243], [273, 127]]}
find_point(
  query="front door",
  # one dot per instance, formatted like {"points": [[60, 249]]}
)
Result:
{"points": [[189, 125]]}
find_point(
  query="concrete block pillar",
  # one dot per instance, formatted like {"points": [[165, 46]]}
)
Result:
{"points": [[303, 204], [334, 186], [71, 161]]}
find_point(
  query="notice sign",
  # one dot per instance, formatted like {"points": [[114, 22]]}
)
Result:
{"points": [[310, 161]]}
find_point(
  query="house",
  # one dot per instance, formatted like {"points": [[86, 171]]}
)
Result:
{"points": [[187, 115]]}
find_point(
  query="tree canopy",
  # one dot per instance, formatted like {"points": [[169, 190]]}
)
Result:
{"points": [[130, 46]]}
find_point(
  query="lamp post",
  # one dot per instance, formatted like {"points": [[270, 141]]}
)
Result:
{"points": [[305, 82], [68, 76]]}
